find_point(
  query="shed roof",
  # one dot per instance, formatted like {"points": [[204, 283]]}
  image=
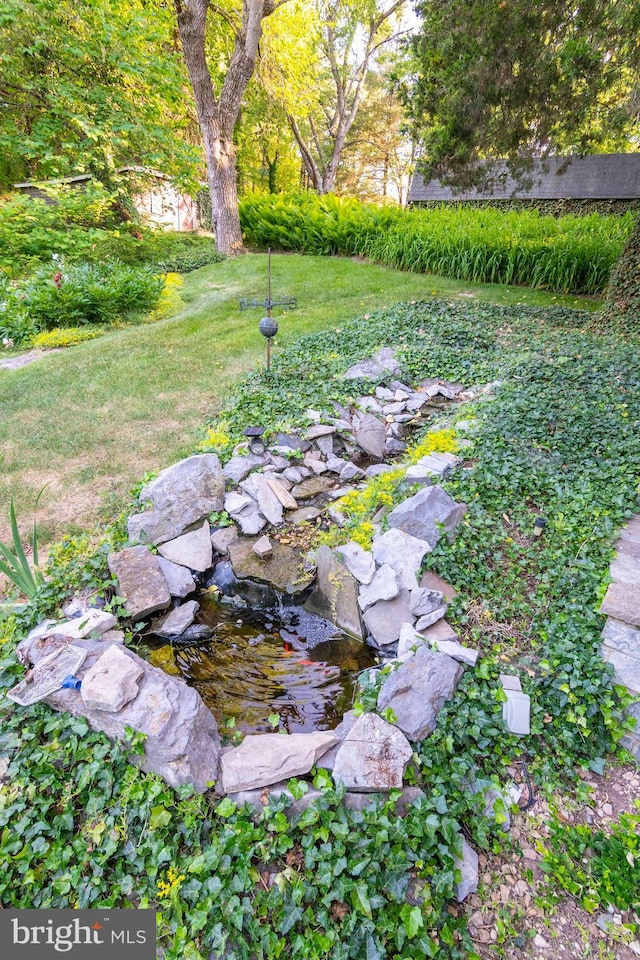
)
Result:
{"points": [[603, 176]]}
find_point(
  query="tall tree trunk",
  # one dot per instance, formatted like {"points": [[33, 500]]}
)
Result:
{"points": [[218, 116]]}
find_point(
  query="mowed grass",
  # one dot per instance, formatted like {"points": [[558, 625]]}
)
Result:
{"points": [[92, 420]]}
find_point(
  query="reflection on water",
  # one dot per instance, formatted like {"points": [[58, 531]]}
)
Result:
{"points": [[264, 662]]}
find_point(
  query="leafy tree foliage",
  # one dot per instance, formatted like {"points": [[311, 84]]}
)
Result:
{"points": [[510, 79], [88, 86]]}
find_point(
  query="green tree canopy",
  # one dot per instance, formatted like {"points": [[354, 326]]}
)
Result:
{"points": [[91, 85]]}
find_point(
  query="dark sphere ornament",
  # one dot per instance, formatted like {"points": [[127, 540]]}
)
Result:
{"points": [[268, 327]]}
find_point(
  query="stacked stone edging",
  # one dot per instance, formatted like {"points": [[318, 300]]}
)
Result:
{"points": [[621, 634]]}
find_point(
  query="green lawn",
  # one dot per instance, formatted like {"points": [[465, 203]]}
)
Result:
{"points": [[92, 420]]}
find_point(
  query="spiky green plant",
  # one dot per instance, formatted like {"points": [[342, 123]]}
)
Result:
{"points": [[26, 577]]}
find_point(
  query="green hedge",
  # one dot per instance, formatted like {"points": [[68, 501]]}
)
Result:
{"points": [[567, 255]]}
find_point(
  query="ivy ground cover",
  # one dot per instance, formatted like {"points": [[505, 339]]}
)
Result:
{"points": [[79, 827]]}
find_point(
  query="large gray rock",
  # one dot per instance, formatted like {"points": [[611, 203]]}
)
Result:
{"points": [[91, 623], [345, 726], [238, 468], [425, 601], [179, 579], [192, 550], [258, 487], [371, 436], [358, 561], [180, 496], [221, 538], [384, 361], [432, 581], [335, 596], [112, 681], [373, 756], [270, 757], [418, 689], [423, 514], [622, 601], [181, 744], [140, 581], [174, 623], [384, 619], [282, 570], [403, 553], [467, 864], [384, 586]]}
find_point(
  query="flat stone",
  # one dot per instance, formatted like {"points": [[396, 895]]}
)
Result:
{"points": [[626, 668], [282, 493], [424, 601], [303, 515], [416, 402], [383, 393], [320, 430], [113, 636], [335, 596], [467, 864], [426, 512], [91, 623], [385, 618], [174, 623], [140, 581], [269, 505], [371, 436], [350, 472], [622, 636], [313, 462], [180, 496], [622, 601], [450, 390], [263, 548], [294, 474], [335, 464], [431, 581], [408, 641], [384, 586], [239, 468], [457, 651], [373, 756], [430, 618], [235, 502], [418, 689], [291, 441], [393, 447], [181, 737], [393, 408], [359, 562], [312, 487], [347, 723], [192, 550], [624, 569], [222, 538], [112, 681], [282, 570], [325, 445], [440, 631], [369, 404], [403, 552], [384, 361], [267, 758], [250, 520], [179, 579]]}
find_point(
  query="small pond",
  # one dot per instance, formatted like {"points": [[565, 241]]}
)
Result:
{"points": [[279, 660]]}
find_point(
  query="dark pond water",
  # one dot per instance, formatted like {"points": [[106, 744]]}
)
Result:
{"points": [[282, 661]]}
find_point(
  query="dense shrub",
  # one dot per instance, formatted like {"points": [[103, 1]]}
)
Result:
{"points": [[568, 255], [623, 296], [86, 225], [75, 295]]}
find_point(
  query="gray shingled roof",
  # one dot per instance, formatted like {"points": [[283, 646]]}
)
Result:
{"points": [[604, 176]]}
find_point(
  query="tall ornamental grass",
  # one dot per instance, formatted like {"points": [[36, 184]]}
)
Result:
{"points": [[566, 255]]}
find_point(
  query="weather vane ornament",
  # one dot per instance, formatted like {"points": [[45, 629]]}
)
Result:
{"points": [[268, 326]]}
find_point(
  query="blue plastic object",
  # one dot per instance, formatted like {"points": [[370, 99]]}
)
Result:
{"points": [[71, 683]]}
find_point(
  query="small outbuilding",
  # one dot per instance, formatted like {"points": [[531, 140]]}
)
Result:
{"points": [[153, 194]]}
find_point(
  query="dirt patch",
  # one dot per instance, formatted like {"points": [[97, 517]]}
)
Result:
{"points": [[507, 917]]}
